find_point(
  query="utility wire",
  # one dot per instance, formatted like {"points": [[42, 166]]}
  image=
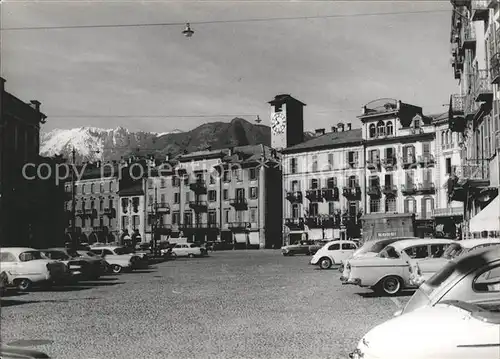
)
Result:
{"points": [[149, 116], [221, 21]]}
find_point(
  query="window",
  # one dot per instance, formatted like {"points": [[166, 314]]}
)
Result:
{"points": [[188, 218], [150, 183], [227, 216], [212, 196], [488, 280], [252, 174], [389, 153], [374, 205], [101, 205], [380, 128], [212, 217], [226, 176], [7, 257], [388, 182], [111, 186], [353, 208], [211, 178], [136, 221], [101, 187], [293, 165], [240, 216], [372, 131], [448, 166], [331, 182], [253, 193], [416, 122], [348, 246], [418, 252], [188, 197], [295, 186], [162, 198], [225, 194], [352, 158], [92, 188], [374, 182], [313, 209], [295, 210], [238, 174], [253, 215], [410, 175], [135, 204], [176, 181], [390, 204], [334, 247], [353, 181], [314, 183], [389, 130], [443, 139], [427, 178], [83, 188], [124, 205], [177, 197], [124, 222], [330, 161], [410, 205], [162, 183], [389, 252], [315, 163], [437, 250], [240, 193], [427, 207], [175, 218], [409, 154]]}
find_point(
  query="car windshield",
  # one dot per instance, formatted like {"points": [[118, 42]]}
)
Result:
{"points": [[30, 255], [389, 252], [453, 250], [57, 255], [90, 254], [123, 250], [73, 253]]}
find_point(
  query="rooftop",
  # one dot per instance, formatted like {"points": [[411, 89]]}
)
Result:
{"points": [[329, 140]]}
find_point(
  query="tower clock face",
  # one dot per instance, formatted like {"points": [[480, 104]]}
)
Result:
{"points": [[278, 122]]}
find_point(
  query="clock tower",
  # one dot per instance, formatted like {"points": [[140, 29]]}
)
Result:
{"points": [[287, 121]]}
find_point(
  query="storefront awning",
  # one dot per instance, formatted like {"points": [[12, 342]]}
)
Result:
{"points": [[488, 219]]}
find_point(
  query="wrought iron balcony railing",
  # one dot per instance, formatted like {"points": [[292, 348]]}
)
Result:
{"points": [[468, 36], [239, 203], [483, 91], [314, 195], [353, 193], [408, 189], [427, 159], [480, 10], [473, 169], [330, 194], [295, 223], [110, 212], [374, 191], [426, 188], [198, 206], [294, 196], [198, 186], [390, 190], [448, 212], [495, 68], [389, 162], [239, 225]]}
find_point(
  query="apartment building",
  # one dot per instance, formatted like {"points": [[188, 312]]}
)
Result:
{"points": [[474, 114], [323, 185], [92, 210]]}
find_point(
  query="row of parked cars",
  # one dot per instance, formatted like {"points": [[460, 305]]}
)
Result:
{"points": [[24, 268], [455, 310]]}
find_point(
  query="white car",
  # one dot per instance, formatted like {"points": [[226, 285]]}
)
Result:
{"points": [[389, 271], [333, 253], [423, 269], [118, 258], [27, 267], [449, 330], [188, 250]]}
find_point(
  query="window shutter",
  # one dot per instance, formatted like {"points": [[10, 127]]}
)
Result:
{"points": [[405, 152], [355, 156], [426, 148], [424, 207], [347, 158]]}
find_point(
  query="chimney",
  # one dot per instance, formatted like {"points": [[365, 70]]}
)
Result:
{"points": [[340, 126], [35, 104], [319, 131], [334, 129], [349, 127]]}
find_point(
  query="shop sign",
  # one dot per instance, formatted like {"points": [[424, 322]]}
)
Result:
{"points": [[386, 234]]}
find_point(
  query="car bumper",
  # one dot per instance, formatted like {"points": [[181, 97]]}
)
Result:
{"points": [[416, 281], [352, 281], [314, 261]]}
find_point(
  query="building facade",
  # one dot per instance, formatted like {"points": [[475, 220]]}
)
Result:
{"points": [[474, 114]]}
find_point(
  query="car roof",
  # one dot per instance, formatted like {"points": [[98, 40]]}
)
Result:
{"points": [[18, 250], [471, 243], [105, 247], [54, 249], [400, 245], [391, 240], [481, 255]]}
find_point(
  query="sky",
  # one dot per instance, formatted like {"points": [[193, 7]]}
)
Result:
{"points": [[155, 79]]}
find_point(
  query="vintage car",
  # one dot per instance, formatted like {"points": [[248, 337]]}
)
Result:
{"points": [[422, 269], [119, 258], [188, 250], [88, 254], [449, 330], [11, 352], [472, 278], [372, 248], [389, 272], [333, 253], [80, 266], [28, 267], [303, 247]]}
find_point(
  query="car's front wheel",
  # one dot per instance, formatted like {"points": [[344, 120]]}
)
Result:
{"points": [[325, 263], [191, 255], [24, 285], [391, 285], [115, 268]]}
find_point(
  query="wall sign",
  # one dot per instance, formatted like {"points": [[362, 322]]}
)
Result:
{"points": [[386, 234]]}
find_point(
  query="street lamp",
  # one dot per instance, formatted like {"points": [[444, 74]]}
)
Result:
{"points": [[187, 31]]}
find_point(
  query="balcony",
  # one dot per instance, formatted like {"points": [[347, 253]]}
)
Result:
{"points": [[294, 196], [198, 206], [449, 212], [352, 193], [239, 203], [409, 161], [331, 221], [239, 225], [199, 225], [374, 191], [408, 189], [469, 36], [314, 195], [389, 163], [330, 194], [389, 190], [457, 113], [89, 213], [373, 164], [295, 224], [110, 212], [495, 68], [473, 170], [313, 222], [426, 160], [480, 10], [163, 208], [198, 187], [483, 90], [426, 188]]}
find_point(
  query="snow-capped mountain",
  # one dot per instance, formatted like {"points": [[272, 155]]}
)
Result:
{"points": [[93, 143]]}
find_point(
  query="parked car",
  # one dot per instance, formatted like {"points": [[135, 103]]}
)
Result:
{"points": [[119, 258], [449, 330], [333, 252], [303, 247], [106, 268], [474, 277], [372, 248], [9, 352], [28, 267], [389, 272], [188, 250], [423, 269], [84, 267]]}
